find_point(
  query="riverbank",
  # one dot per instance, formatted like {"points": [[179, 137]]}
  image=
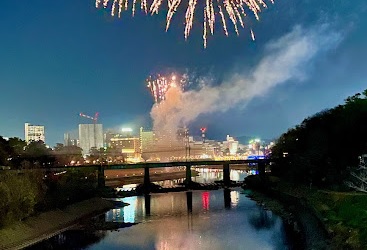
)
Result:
{"points": [[340, 217], [45, 225], [294, 209]]}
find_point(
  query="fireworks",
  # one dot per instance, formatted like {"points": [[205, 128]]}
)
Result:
{"points": [[234, 9], [159, 85]]}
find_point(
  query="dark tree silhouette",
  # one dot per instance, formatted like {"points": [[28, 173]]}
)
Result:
{"points": [[323, 146]]}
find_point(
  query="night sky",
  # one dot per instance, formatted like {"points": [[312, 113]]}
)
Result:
{"points": [[59, 58]]}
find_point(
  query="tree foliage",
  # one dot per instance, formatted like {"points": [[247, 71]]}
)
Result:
{"points": [[66, 154], [11, 151], [321, 148], [19, 193], [358, 181], [37, 154]]}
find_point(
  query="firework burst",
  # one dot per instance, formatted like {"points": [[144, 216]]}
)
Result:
{"points": [[235, 10], [160, 84]]}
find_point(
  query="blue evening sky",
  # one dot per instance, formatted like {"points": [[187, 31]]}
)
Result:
{"points": [[59, 58]]}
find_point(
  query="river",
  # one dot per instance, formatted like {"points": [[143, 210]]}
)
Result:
{"points": [[213, 220]]}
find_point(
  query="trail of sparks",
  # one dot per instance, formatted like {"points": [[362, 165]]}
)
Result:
{"points": [[253, 35], [234, 9], [159, 85]]}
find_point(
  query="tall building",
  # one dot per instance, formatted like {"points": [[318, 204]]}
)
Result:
{"points": [[146, 140], [67, 139], [90, 136], [34, 133]]}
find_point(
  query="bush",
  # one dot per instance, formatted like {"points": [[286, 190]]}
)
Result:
{"points": [[19, 192], [73, 186]]}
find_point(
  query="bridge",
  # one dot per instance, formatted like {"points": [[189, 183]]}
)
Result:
{"points": [[260, 163]]}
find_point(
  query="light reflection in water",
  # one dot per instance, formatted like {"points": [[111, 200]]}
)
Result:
{"points": [[207, 175], [205, 198], [213, 220], [125, 214], [235, 197]]}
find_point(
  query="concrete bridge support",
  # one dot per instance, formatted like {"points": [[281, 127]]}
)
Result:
{"points": [[226, 175], [261, 169], [189, 201], [227, 198], [188, 175], [146, 177], [147, 204], [101, 177]]}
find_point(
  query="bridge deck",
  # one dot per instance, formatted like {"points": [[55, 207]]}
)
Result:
{"points": [[172, 164]]}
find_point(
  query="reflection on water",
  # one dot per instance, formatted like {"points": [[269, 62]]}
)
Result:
{"points": [[212, 220], [216, 219], [207, 175]]}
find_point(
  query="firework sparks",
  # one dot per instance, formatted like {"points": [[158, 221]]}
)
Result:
{"points": [[159, 85], [253, 35], [234, 9]]}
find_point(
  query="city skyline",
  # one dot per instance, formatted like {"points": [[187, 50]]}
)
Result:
{"points": [[100, 64]]}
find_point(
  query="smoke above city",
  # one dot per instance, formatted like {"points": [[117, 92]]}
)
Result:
{"points": [[283, 60]]}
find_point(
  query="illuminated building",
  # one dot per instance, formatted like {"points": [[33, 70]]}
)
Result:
{"points": [[74, 142], [129, 146], [256, 147], [34, 133], [90, 136], [231, 144], [146, 140]]}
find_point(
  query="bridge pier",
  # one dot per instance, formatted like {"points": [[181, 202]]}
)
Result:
{"points": [[227, 198], [146, 177], [261, 169], [226, 175], [101, 177], [147, 204], [188, 175], [189, 201]]}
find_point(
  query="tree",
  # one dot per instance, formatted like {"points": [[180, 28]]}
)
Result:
{"points": [[322, 147], [359, 177], [37, 154], [65, 155], [16, 156], [4, 151]]}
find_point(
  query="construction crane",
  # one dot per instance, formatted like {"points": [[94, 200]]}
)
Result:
{"points": [[95, 119]]}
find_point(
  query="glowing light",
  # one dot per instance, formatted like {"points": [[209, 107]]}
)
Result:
{"points": [[126, 130], [234, 9], [159, 85]]}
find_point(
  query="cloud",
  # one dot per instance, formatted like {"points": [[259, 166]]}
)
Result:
{"points": [[284, 59]]}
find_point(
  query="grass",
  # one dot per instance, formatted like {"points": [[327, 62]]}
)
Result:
{"points": [[343, 213]]}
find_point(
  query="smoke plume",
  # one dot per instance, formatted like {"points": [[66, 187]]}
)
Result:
{"points": [[284, 59]]}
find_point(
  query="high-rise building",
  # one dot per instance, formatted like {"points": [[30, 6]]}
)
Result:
{"points": [[67, 139], [34, 133], [90, 136], [146, 140]]}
